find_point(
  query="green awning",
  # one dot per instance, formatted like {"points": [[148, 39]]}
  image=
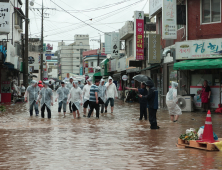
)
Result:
{"points": [[97, 74], [198, 64]]}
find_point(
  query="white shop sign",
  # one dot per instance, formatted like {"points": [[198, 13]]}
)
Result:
{"points": [[4, 17], [124, 77], [196, 49], [169, 19], [154, 6]]}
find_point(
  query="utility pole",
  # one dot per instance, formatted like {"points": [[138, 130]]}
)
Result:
{"points": [[25, 66], [99, 50], [42, 50]]}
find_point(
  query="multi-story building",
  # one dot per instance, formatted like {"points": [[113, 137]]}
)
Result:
{"points": [[11, 50], [194, 55], [70, 55]]}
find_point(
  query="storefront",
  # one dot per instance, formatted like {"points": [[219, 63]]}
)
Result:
{"points": [[203, 62]]}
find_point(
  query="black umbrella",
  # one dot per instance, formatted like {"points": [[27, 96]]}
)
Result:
{"points": [[141, 78], [33, 76]]}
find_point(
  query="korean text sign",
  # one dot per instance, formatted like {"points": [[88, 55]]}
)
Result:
{"points": [[154, 6], [139, 35], [115, 44], [169, 21], [4, 17], [205, 48], [154, 48]]}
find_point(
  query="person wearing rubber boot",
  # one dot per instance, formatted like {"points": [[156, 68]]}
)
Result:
{"points": [[69, 86], [143, 101], [75, 97], [152, 99], [62, 96], [32, 93], [46, 99]]}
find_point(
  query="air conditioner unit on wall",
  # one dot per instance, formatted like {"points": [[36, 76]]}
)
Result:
{"points": [[186, 103]]}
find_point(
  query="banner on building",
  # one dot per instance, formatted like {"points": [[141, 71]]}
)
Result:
{"points": [[115, 44], [139, 35], [169, 19], [107, 43], [154, 6], [121, 64], [90, 70], [112, 65], [154, 55], [81, 71], [4, 17], [196, 49]]}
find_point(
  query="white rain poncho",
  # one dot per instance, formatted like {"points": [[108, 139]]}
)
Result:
{"points": [[69, 85], [86, 90], [62, 93], [46, 96], [80, 85], [171, 100], [102, 91], [32, 92], [111, 91], [75, 95]]}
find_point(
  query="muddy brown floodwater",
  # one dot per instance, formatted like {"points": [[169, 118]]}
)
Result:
{"points": [[112, 142]]}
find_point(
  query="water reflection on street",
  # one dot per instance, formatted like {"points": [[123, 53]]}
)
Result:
{"points": [[112, 142]]}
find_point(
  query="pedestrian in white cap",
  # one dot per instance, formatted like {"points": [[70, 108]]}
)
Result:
{"points": [[86, 95], [32, 93], [75, 97], [62, 96], [46, 99], [69, 86]]}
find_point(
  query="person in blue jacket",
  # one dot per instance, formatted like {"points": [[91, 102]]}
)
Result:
{"points": [[143, 101], [152, 99]]}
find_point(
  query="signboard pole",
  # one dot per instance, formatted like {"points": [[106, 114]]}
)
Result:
{"points": [[25, 71]]}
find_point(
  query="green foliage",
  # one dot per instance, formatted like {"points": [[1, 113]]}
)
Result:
{"points": [[2, 108], [189, 136]]}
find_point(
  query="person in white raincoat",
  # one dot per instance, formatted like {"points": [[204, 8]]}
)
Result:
{"points": [[69, 86], [75, 97], [62, 96], [86, 95], [111, 93], [102, 94], [46, 97], [32, 93], [171, 102]]}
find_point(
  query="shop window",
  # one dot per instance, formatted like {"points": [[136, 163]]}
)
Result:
{"points": [[91, 64], [211, 11]]}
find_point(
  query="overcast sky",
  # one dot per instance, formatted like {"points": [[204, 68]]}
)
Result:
{"points": [[59, 25]]}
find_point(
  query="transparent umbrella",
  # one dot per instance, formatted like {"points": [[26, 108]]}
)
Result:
{"points": [[141, 78]]}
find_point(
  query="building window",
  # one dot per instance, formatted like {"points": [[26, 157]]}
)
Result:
{"points": [[91, 64], [211, 11]]}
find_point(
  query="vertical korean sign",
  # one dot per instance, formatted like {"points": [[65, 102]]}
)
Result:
{"points": [[139, 35], [115, 44], [4, 17], [169, 14]]}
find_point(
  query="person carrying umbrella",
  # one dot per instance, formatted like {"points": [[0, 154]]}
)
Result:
{"points": [[143, 101], [102, 94], [62, 95], [171, 102], [152, 99], [46, 99], [69, 86], [32, 92], [75, 97]]}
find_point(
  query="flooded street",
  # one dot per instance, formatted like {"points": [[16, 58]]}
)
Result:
{"points": [[112, 142]]}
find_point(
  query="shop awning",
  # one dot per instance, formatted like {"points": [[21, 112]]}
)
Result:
{"points": [[97, 74], [152, 66], [198, 64]]}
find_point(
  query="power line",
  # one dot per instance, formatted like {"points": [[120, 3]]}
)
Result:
{"points": [[77, 17]]}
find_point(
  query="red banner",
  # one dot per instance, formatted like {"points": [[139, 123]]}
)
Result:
{"points": [[139, 39], [91, 70]]}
